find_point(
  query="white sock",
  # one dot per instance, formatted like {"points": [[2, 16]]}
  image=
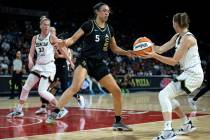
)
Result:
{"points": [[185, 120], [167, 125], [19, 107]]}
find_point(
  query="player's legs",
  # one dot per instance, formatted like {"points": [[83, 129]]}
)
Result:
{"points": [[78, 78], [110, 84], [52, 89], [30, 82], [194, 100], [166, 96], [186, 126], [43, 90]]}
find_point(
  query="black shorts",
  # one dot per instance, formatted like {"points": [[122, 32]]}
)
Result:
{"points": [[95, 68]]}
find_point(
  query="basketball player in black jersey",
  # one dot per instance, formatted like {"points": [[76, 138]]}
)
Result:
{"points": [[98, 38], [193, 101], [60, 79]]}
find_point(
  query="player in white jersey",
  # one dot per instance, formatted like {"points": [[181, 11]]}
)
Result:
{"points": [[61, 55], [44, 68], [190, 79]]}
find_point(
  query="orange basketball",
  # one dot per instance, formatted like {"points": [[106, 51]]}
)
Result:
{"points": [[141, 45]]}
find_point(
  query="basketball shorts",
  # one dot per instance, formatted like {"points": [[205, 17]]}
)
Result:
{"points": [[47, 70], [95, 68]]}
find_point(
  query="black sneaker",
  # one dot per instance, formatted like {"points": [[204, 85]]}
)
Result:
{"points": [[121, 127]]}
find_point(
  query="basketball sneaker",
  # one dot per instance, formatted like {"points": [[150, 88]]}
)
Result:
{"points": [[166, 135], [41, 110], [80, 101], [119, 126], [192, 103], [62, 113], [16, 113], [52, 118], [186, 128]]}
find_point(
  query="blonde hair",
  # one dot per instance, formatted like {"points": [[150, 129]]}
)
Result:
{"points": [[43, 18]]}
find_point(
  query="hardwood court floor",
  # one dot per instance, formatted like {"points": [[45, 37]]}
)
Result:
{"points": [[141, 112]]}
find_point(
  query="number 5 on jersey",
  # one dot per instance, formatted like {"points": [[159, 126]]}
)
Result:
{"points": [[97, 39]]}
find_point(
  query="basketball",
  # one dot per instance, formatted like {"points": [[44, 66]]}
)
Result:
{"points": [[141, 45]]}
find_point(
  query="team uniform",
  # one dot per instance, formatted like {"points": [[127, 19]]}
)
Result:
{"points": [[43, 71], [95, 49], [45, 65], [203, 90], [60, 77], [190, 79]]}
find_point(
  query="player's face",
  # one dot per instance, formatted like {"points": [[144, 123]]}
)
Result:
{"points": [[103, 13], [45, 26]]}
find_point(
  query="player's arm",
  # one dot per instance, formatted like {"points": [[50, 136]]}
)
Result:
{"points": [[70, 41], [64, 51], [31, 53], [117, 50], [167, 46], [186, 43]]}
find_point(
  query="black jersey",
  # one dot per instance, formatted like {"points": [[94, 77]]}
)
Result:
{"points": [[60, 61], [96, 40]]}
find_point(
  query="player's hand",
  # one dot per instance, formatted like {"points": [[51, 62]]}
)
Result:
{"points": [[30, 64], [131, 54], [149, 54]]}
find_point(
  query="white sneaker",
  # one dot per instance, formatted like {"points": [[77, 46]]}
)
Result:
{"points": [[192, 103], [41, 111], [16, 113], [81, 101], [166, 135], [186, 128], [62, 113]]}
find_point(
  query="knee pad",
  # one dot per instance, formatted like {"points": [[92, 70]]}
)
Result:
{"points": [[165, 102], [24, 94], [175, 104], [46, 95], [42, 89]]}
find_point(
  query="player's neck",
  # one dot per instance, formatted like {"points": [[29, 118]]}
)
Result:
{"points": [[100, 23], [184, 31], [44, 34]]}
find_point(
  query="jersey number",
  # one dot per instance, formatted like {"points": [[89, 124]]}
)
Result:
{"points": [[97, 39], [41, 50]]}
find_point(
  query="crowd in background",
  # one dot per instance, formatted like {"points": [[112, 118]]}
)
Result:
{"points": [[17, 36]]}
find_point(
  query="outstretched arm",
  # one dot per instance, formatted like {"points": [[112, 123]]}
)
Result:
{"points": [[70, 41], [116, 49], [186, 43], [64, 52], [167, 46]]}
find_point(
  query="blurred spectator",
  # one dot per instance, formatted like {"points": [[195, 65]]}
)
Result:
{"points": [[17, 70]]}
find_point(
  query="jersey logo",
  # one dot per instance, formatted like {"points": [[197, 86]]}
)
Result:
{"points": [[38, 44], [106, 44]]}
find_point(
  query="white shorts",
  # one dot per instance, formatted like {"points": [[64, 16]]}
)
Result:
{"points": [[186, 82], [192, 78], [47, 70]]}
